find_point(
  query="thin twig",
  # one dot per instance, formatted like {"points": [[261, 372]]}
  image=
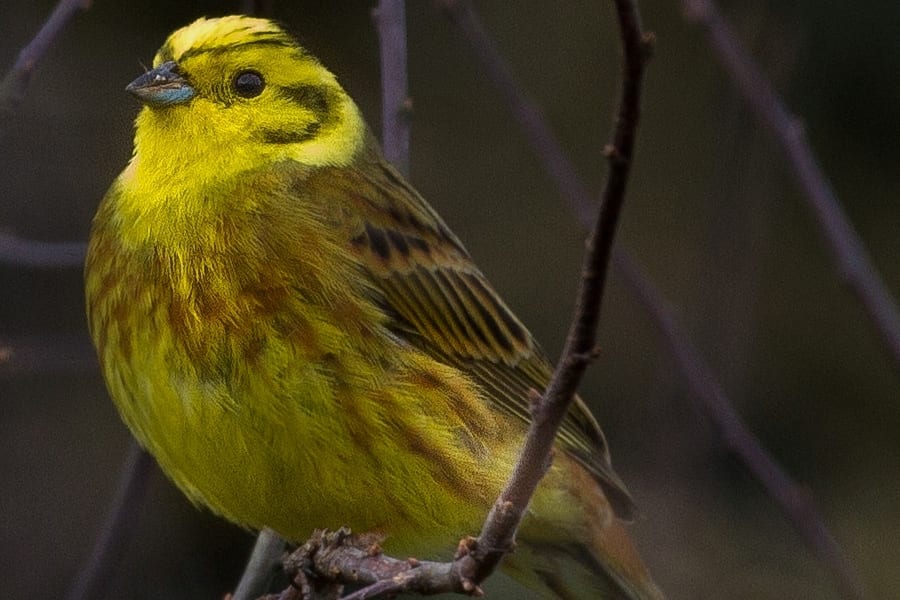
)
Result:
{"points": [[94, 578], [718, 406], [477, 558], [13, 250], [358, 559], [18, 252], [390, 22], [793, 500], [262, 564], [499, 529], [525, 110], [580, 340], [15, 82], [848, 250]]}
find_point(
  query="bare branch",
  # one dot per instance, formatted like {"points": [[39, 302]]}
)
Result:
{"points": [[848, 251], [94, 578], [342, 557], [797, 506], [358, 559], [499, 529], [540, 136], [18, 252], [262, 564], [14, 84], [390, 21], [790, 497]]}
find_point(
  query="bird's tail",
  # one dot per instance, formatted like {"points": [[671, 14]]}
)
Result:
{"points": [[572, 546]]}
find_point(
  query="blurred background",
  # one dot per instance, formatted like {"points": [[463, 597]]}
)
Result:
{"points": [[712, 215]]}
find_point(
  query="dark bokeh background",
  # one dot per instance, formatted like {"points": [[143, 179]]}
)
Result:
{"points": [[712, 214]]}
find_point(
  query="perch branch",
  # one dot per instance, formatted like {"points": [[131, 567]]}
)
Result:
{"points": [[478, 557], [390, 21], [794, 503], [262, 564], [500, 526]]}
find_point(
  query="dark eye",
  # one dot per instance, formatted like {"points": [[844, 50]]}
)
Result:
{"points": [[248, 84]]}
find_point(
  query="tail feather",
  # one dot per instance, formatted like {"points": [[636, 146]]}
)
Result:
{"points": [[572, 546], [572, 572]]}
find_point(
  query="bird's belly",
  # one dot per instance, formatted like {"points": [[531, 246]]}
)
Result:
{"points": [[294, 444]]}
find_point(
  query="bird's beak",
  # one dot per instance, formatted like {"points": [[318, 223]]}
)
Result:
{"points": [[163, 86]]}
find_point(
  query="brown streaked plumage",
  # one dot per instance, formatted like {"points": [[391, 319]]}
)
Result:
{"points": [[301, 341]]}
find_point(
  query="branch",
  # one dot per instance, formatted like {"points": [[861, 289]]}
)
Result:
{"points": [[12, 88], [794, 503], [340, 557], [848, 251], [262, 564], [358, 559], [578, 350], [524, 109], [96, 574], [13, 250], [18, 252], [390, 21]]}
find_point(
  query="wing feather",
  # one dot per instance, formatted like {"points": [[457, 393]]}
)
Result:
{"points": [[443, 304]]}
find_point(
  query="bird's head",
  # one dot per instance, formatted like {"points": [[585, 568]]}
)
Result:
{"points": [[237, 93]]}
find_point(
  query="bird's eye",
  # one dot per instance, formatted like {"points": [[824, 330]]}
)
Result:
{"points": [[248, 84]]}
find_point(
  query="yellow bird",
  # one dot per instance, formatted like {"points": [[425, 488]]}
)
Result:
{"points": [[301, 342]]}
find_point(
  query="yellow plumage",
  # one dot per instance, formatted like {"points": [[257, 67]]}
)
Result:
{"points": [[301, 342]]}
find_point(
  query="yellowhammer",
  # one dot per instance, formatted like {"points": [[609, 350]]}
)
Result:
{"points": [[301, 342]]}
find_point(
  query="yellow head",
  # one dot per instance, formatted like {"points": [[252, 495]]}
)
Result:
{"points": [[230, 94]]}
